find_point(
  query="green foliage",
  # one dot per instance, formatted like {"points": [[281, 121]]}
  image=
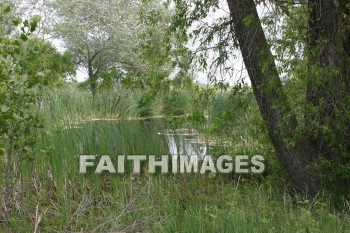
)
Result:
{"points": [[76, 202], [110, 79], [153, 64], [176, 103], [230, 111], [249, 20], [144, 104], [310, 85], [200, 44], [42, 62], [71, 103], [16, 94], [126, 38]]}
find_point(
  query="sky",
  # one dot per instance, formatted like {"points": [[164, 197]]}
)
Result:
{"points": [[236, 72]]}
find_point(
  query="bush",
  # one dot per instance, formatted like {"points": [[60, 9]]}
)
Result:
{"points": [[176, 103]]}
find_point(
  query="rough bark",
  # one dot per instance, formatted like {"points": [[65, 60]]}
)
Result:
{"points": [[299, 161], [328, 91]]}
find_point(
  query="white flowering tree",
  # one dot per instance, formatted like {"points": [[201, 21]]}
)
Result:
{"points": [[100, 34]]}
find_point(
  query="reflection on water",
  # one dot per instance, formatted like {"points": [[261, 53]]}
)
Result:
{"points": [[185, 142], [137, 137]]}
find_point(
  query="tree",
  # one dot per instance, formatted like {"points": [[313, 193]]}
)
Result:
{"points": [[327, 58], [35, 8], [16, 93], [153, 65], [100, 34], [18, 122], [41, 60], [268, 90], [328, 86]]}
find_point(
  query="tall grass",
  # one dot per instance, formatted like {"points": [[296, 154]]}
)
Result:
{"points": [[72, 103], [52, 196]]}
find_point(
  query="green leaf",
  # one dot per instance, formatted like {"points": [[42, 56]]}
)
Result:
{"points": [[248, 20], [7, 10], [17, 21], [23, 37], [34, 23]]}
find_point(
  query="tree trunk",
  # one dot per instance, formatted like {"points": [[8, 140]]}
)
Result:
{"points": [[328, 93], [299, 160], [92, 79]]}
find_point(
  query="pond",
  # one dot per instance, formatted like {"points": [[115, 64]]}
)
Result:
{"points": [[156, 136], [132, 137]]}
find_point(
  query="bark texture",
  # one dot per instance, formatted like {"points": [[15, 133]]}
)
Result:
{"points": [[299, 161], [328, 94]]}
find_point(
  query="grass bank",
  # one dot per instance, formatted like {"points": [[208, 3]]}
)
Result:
{"points": [[48, 194]]}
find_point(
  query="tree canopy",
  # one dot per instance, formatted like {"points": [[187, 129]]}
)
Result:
{"points": [[314, 41], [108, 35]]}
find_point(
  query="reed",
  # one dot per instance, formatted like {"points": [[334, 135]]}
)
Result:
{"points": [[52, 196]]}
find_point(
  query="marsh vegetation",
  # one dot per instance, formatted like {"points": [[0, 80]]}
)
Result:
{"points": [[142, 96]]}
